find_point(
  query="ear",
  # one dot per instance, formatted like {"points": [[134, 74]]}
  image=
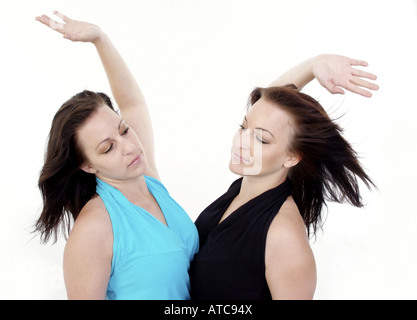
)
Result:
{"points": [[292, 161], [88, 168]]}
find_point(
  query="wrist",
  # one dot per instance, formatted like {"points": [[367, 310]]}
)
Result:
{"points": [[315, 61], [309, 67], [100, 39]]}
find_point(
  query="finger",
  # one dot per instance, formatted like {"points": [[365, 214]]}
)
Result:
{"points": [[363, 74], [51, 23], [336, 90], [44, 19], [333, 89], [365, 84], [62, 16], [355, 89], [361, 63]]}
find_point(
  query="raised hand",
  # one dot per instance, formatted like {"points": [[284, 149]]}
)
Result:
{"points": [[335, 72], [72, 29]]}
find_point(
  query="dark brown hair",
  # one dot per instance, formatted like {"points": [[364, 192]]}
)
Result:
{"points": [[329, 168], [65, 188]]}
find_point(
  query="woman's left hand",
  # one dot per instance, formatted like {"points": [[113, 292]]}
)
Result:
{"points": [[72, 29], [335, 72]]}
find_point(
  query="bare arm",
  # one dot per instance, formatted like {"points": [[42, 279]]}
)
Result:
{"points": [[333, 72], [124, 87], [300, 75], [290, 268], [88, 253], [129, 98]]}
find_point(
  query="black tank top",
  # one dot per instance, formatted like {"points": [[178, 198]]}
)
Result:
{"points": [[230, 264]]}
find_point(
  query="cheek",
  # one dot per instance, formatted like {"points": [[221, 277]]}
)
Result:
{"points": [[106, 163], [138, 144], [273, 156], [133, 137], [268, 158]]}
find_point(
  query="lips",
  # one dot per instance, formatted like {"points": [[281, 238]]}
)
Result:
{"points": [[136, 160], [236, 156]]}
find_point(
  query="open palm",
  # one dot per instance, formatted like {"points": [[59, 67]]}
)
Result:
{"points": [[335, 72]]}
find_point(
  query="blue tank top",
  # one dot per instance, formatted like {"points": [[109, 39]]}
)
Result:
{"points": [[150, 260]]}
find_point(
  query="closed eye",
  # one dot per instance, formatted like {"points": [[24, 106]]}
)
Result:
{"points": [[260, 140], [109, 149], [257, 137]]}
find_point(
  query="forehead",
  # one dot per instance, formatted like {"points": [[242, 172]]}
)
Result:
{"points": [[102, 124], [268, 115]]}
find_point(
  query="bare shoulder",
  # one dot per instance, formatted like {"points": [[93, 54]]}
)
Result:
{"points": [[92, 229], [88, 253], [288, 223], [289, 260], [93, 217]]}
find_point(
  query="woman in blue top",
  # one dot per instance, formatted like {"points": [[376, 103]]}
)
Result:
{"points": [[130, 239]]}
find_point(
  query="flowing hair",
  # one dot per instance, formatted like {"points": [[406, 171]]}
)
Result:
{"points": [[329, 168], [65, 188]]}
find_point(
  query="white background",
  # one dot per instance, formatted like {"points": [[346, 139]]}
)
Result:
{"points": [[196, 62]]}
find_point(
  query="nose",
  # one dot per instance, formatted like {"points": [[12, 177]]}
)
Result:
{"points": [[127, 147], [242, 140], [245, 139]]}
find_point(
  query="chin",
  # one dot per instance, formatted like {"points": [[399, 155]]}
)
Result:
{"points": [[235, 168], [139, 171], [245, 170], [143, 169]]}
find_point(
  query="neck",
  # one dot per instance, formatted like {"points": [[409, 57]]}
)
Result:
{"points": [[132, 188], [253, 186]]}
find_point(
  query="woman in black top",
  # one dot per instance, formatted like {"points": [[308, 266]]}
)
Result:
{"points": [[292, 157]]}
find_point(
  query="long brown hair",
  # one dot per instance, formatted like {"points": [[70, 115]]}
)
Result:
{"points": [[329, 168], [65, 188]]}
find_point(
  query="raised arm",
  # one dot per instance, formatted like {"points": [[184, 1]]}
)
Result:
{"points": [[123, 85], [333, 72]]}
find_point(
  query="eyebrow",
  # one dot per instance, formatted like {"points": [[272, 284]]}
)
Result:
{"points": [[107, 139], [246, 120]]}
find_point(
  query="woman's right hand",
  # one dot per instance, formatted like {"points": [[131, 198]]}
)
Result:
{"points": [[72, 29]]}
